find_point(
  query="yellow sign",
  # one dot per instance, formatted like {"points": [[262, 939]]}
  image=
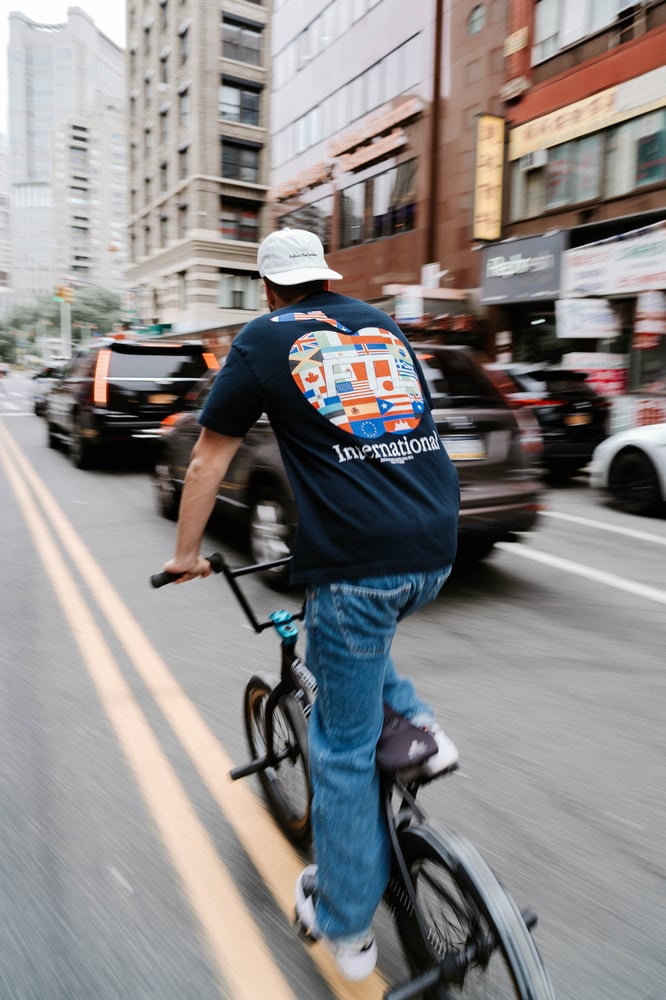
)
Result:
{"points": [[488, 173]]}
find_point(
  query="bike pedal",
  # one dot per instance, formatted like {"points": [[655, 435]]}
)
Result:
{"points": [[302, 931]]}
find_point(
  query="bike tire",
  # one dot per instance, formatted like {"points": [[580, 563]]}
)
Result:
{"points": [[287, 784], [463, 904]]}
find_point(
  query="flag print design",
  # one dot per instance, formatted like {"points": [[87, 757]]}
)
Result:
{"points": [[363, 382]]}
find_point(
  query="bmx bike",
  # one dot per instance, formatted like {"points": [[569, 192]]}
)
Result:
{"points": [[461, 933]]}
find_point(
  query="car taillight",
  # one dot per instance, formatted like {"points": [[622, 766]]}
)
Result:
{"points": [[538, 401], [169, 422], [100, 385], [211, 360]]}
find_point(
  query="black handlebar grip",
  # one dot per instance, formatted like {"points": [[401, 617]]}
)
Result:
{"points": [[216, 561], [161, 579]]}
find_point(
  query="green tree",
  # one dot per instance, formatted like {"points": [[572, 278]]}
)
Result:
{"points": [[93, 309]]}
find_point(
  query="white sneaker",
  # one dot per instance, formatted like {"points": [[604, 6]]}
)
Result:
{"points": [[355, 957], [447, 756]]}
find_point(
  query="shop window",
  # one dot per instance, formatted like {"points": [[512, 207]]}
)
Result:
{"points": [[353, 215], [316, 217]]}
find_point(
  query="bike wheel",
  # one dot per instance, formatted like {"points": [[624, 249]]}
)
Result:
{"points": [[469, 922], [286, 784]]}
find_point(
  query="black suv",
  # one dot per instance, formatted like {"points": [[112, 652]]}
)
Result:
{"points": [[573, 417], [116, 391], [500, 493]]}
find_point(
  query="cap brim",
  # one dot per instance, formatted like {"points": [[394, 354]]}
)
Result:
{"points": [[303, 274]]}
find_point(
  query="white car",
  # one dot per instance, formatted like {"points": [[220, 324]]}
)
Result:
{"points": [[631, 468]]}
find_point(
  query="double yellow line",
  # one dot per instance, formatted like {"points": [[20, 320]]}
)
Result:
{"points": [[246, 970]]}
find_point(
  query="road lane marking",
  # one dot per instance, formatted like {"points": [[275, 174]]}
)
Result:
{"points": [[276, 861], [642, 536], [598, 575], [206, 882]]}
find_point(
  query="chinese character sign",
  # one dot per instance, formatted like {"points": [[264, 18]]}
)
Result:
{"points": [[488, 173]]}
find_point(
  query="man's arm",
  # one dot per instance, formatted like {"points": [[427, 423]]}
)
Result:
{"points": [[210, 460]]}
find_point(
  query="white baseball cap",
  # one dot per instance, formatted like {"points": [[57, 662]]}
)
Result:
{"points": [[293, 256]]}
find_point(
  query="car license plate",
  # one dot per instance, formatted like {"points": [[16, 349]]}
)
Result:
{"points": [[574, 419], [162, 398], [464, 447]]}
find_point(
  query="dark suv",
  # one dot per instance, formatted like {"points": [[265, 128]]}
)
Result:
{"points": [[573, 417], [114, 392], [500, 494]]}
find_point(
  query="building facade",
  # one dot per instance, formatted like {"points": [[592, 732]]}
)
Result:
{"points": [[199, 141], [65, 80], [585, 101], [4, 220], [375, 111]]}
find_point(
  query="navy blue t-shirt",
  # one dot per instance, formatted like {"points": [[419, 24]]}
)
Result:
{"points": [[376, 492]]}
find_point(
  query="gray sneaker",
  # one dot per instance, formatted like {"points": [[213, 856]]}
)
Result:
{"points": [[355, 957]]}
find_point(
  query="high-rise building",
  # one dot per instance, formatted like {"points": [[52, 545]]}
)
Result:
{"points": [[4, 218], [199, 87], [67, 155]]}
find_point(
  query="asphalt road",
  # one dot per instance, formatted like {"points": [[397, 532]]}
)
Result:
{"points": [[132, 868]]}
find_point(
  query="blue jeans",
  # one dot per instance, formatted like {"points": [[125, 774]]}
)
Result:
{"points": [[350, 627]]}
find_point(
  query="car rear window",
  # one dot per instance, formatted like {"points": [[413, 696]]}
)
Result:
{"points": [[454, 379], [158, 366], [556, 382]]}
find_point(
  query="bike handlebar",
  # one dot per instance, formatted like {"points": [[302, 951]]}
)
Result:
{"points": [[217, 565]]}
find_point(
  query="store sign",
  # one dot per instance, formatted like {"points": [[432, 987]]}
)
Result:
{"points": [[650, 320], [522, 270], [488, 174], [585, 319], [409, 304], [609, 107], [631, 263]]}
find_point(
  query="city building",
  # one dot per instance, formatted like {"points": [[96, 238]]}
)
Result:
{"points": [[67, 156], [4, 219], [199, 141], [375, 114], [580, 274]]}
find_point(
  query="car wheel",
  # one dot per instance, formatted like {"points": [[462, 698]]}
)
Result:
{"points": [[80, 450], [270, 535], [472, 550], [51, 436], [167, 492], [633, 483], [562, 472]]}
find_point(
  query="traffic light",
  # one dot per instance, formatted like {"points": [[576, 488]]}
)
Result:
{"points": [[63, 293]]}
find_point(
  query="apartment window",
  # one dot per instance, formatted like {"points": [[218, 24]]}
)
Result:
{"points": [[184, 46], [146, 45], [237, 291], [164, 69], [164, 126], [182, 221], [147, 246], [241, 42], [146, 190], [164, 15], [182, 289], [239, 103], [564, 175], [164, 175], [239, 221], [182, 163], [184, 107], [164, 230], [148, 143], [240, 162]]}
